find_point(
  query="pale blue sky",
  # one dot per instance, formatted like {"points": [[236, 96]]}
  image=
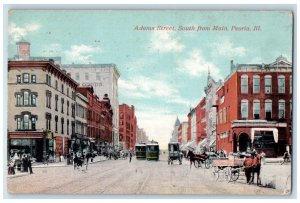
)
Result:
{"points": [[162, 73]]}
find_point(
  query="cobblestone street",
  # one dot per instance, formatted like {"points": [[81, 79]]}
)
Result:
{"points": [[137, 177]]}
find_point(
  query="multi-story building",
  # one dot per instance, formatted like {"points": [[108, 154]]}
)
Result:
{"points": [[128, 126], [211, 111], [180, 133], [184, 132], [141, 136], [104, 79], [174, 136], [201, 121], [255, 108], [106, 120], [41, 108]]}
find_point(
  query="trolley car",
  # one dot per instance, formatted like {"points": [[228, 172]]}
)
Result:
{"points": [[152, 151], [140, 151]]}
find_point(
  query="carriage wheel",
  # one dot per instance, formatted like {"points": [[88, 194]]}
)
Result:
{"points": [[197, 164], [216, 175], [207, 163], [235, 174]]}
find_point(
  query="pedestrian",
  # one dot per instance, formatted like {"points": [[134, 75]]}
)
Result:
{"points": [[286, 156], [24, 163], [11, 167], [130, 156], [29, 163]]}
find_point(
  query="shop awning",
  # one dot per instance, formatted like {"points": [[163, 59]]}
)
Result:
{"points": [[274, 130], [202, 143], [212, 142]]}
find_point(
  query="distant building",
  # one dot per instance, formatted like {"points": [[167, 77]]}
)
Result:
{"points": [[255, 108], [128, 126], [141, 136], [174, 136], [180, 133], [104, 80], [184, 132]]}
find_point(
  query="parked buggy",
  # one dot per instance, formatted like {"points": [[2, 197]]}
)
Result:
{"points": [[230, 168], [174, 153]]}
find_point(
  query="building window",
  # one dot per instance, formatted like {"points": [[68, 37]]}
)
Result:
{"points": [[19, 123], [86, 76], [244, 108], [62, 125], [220, 117], [26, 98], [33, 123], [33, 78], [68, 91], [256, 84], [18, 78], [224, 114], [56, 84], [48, 79], [244, 84], [68, 127], [19, 100], [48, 121], [268, 109], [77, 76], [98, 77], [281, 109], [56, 122], [48, 99], [33, 99], [62, 105], [26, 77], [268, 84], [68, 105], [256, 109], [281, 84], [62, 88], [291, 84], [73, 110], [26, 122], [56, 102]]}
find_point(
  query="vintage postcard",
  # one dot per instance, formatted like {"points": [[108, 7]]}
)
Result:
{"points": [[138, 102]]}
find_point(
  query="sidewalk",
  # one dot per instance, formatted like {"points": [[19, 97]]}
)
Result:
{"points": [[275, 175], [55, 164]]}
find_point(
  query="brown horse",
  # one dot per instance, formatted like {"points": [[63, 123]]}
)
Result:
{"points": [[252, 166], [196, 157]]}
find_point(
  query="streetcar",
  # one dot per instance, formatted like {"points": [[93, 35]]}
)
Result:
{"points": [[140, 151], [152, 151]]}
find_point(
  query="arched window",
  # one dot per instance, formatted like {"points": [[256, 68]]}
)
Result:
{"points": [[256, 84], [281, 109], [268, 109], [25, 121], [244, 108], [281, 84], [256, 109], [268, 84], [244, 84]]}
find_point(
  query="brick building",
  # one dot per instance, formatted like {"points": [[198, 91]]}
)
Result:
{"points": [[180, 133], [127, 126], [255, 108]]}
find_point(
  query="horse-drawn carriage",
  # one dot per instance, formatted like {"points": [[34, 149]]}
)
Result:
{"points": [[174, 153], [230, 168]]}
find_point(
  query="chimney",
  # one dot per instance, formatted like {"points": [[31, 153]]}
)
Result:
{"points": [[23, 50], [64, 71], [69, 74], [232, 66]]}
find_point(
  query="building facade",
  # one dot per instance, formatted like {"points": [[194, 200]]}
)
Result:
{"points": [[141, 136], [174, 136], [41, 108], [104, 79], [180, 133], [184, 132], [255, 108], [128, 126]]}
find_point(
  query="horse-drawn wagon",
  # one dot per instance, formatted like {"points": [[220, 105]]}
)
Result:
{"points": [[230, 168], [174, 153]]}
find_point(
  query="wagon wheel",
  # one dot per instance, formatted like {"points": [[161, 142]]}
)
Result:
{"points": [[197, 164], [216, 175], [235, 174], [207, 163]]}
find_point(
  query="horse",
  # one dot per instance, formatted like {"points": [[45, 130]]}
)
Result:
{"points": [[195, 157], [251, 166]]}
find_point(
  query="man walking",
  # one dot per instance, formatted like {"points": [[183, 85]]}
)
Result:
{"points": [[130, 156], [29, 163]]}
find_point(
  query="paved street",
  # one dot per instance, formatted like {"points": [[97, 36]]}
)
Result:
{"points": [[137, 177]]}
